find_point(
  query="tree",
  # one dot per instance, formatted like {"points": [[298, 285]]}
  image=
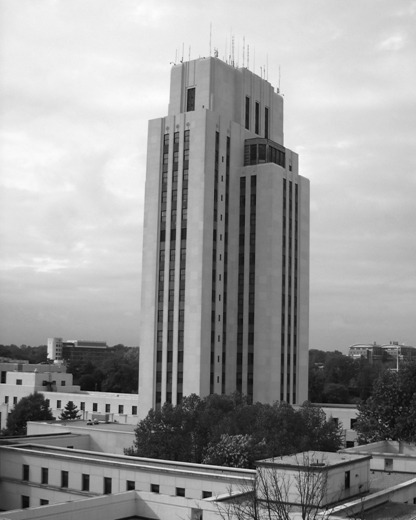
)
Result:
{"points": [[70, 412], [30, 408], [275, 494], [390, 412], [237, 451], [335, 393]]}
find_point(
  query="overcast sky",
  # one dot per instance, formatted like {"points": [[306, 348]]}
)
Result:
{"points": [[79, 81]]}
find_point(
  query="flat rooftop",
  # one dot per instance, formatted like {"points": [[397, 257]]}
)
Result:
{"points": [[79, 423], [318, 459]]}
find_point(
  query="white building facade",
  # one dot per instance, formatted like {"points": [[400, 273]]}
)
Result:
{"points": [[225, 275]]}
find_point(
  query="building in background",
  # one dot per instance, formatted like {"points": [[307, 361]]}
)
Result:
{"points": [[225, 275], [76, 350], [389, 354], [371, 352]]}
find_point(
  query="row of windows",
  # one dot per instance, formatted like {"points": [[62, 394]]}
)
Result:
{"points": [[256, 117]]}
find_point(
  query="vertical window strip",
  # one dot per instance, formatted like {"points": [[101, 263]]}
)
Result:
{"points": [[241, 284]]}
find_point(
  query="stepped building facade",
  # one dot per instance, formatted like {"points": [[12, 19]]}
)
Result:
{"points": [[225, 274]]}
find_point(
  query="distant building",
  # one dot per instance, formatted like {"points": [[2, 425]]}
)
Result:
{"points": [[390, 354], [18, 380], [393, 353], [371, 352], [76, 350]]}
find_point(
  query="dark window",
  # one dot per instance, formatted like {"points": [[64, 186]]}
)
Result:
{"points": [[257, 117], [134, 410], [44, 475], [352, 423], [266, 122], [155, 488], [6, 399], [206, 494], [191, 95], [64, 479], [25, 501], [43, 502], [18, 381], [94, 407], [180, 492], [85, 482], [347, 480], [247, 112], [107, 408], [120, 408], [3, 377], [25, 472], [107, 485], [130, 485]]}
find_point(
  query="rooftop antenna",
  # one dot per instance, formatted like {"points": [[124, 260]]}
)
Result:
{"points": [[182, 54]]}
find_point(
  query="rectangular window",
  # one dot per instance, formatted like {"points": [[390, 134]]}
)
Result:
{"points": [[107, 485], [94, 407], [107, 408], [247, 112], [44, 475], [43, 502], [155, 488], [85, 482], [206, 494], [58, 404], [25, 472], [3, 377], [134, 410], [6, 399], [62, 383], [18, 381], [347, 480], [352, 423], [180, 492], [130, 485], [121, 408], [191, 95], [266, 122], [257, 117], [25, 501], [64, 479]]}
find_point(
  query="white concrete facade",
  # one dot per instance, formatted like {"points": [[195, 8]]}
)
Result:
{"points": [[17, 381], [225, 275]]}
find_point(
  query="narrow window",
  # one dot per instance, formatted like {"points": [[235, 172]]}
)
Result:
{"points": [[257, 117], [64, 479], [85, 482], [58, 404], [134, 410], [25, 501], [107, 485], [247, 113], [25, 472], [130, 485], [44, 475], [266, 122], [107, 410], [94, 407], [121, 408], [347, 480], [191, 94]]}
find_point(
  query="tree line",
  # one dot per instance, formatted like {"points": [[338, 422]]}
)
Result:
{"points": [[340, 379], [225, 430]]}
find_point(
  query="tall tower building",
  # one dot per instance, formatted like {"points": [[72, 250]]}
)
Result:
{"points": [[225, 272]]}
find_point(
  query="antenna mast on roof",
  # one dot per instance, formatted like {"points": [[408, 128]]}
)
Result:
{"points": [[233, 52]]}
